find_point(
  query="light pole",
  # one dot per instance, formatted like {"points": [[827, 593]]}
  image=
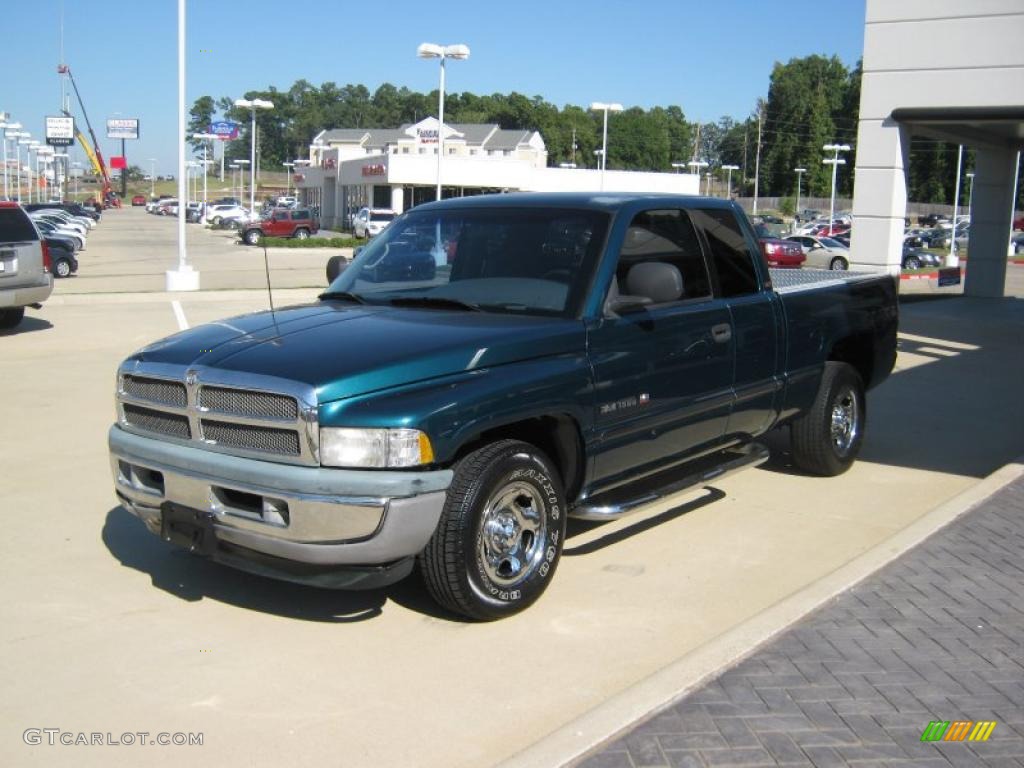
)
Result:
{"points": [[204, 137], [253, 104], [241, 181], [288, 177], [8, 130], [952, 260], [728, 183], [600, 106], [835, 161], [459, 52], [26, 142], [33, 150], [152, 177], [678, 166], [695, 167], [707, 189], [75, 177], [234, 179], [799, 176], [970, 193], [62, 180]]}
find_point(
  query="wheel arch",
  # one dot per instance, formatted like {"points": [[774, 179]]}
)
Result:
{"points": [[858, 351]]}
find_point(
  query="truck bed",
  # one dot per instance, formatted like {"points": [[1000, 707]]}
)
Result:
{"points": [[794, 280]]}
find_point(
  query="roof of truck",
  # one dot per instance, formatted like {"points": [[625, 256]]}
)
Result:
{"points": [[607, 201]]}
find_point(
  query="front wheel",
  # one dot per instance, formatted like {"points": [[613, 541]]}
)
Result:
{"points": [[216, 221], [302, 234], [62, 268], [838, 264], [252, 237], [500, 536], [827, 438]]}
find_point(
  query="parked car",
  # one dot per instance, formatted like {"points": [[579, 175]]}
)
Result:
{"points": [[62, 257], [371, 221], [220, 211], [1017, 243], [72, 239], [75, 209], [138, 200], [575, 346], [807, 214], [823, 252], [281, 222], [286, 201], [1018, 223], [167, 207], [25, 267], [918, 258], [776, 251], [932, 220]]}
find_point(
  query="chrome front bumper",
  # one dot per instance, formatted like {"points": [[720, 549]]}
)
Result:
{"points": [[295, 513]]}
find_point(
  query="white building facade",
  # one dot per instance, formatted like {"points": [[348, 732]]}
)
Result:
{"points": [[397, 168], [949, 70]]}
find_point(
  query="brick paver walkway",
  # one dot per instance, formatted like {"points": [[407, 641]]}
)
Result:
{"points": [[935, 635]]}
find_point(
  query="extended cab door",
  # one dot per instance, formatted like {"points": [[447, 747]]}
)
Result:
{"points": [[755, 315], [662, 371]]}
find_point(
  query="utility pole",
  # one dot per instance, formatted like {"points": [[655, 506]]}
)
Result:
{"points": [[757, 157]]}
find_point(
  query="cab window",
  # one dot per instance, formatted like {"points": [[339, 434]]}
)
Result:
{"points": [[663, 237], [730, 252]]}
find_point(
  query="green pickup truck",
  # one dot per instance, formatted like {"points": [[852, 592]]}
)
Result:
{"points": [[484, 369]]}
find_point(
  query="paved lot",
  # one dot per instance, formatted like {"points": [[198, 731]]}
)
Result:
{"points": [[937, 635], [104, 628]]}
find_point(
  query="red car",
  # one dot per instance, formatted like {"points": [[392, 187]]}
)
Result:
{"points": [[779, 253], [138, 200]]}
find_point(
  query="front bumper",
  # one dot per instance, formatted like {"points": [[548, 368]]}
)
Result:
{"points": [[284, 520]]}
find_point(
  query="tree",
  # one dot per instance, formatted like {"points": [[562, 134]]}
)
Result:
{"points": [[199, 118]]}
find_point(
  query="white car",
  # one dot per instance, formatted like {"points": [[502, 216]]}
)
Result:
{"points": [[61, 213], [63, 227], [372, 221], [823, 252], [286, 201], [218, 213]]}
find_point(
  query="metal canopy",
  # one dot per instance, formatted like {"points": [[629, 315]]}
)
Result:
{"points": [[998, 127]]}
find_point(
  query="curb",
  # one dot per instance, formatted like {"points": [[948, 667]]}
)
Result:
{"points": [[574, 740]]}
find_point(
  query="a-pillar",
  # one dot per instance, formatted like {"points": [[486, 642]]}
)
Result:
{"points": [[397, 198], [991, 216], [879, 196]]}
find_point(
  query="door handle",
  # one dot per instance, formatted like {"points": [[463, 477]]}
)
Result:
{"points": [[721, 333]]}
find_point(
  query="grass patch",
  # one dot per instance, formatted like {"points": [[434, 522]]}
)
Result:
{"points": [[312, 242]]}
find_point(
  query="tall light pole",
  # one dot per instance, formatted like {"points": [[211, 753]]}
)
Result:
{"points": [[8, 130], [253, 104], [76, 166], [728, 183], [152, 177], [33, 149], [799, 175], [60, 181], [835, 161], [241, 180], [459, 52], [205, 138], [952, 260], [234, 179], [970, 193], [26, 142], [288, 177], [600, 106]]}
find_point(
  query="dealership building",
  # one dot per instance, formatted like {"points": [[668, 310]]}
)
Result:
{"points": [[349, 168]]}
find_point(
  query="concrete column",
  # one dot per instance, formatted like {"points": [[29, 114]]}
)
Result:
{"points": [[879, 196], [991, 216], [397, 198]]}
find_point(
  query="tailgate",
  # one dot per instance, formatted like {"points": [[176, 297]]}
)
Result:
{"points": [[21, 264]]}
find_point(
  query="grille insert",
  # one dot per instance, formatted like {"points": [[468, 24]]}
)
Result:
{"points": [[241, 402], [156, 390], [148, 420], [264, 439]]}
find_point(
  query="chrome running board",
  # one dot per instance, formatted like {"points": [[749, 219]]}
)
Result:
{"points": [[626, 499]]}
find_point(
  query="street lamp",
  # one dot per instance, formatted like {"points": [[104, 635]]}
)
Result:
{"points": [[241, 180], [835, 161], [62, 180], [288, 177], [799, 175], [707, 189], [600, 106], [33, 149], [26, 142], [152, 177], [8, 130], [728, 183], [678, 166], [459, 52], [970, 193], [204, 137], [78, 166], [253, 104]]}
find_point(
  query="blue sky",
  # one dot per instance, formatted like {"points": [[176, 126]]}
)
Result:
{"points": [[711, 58]]}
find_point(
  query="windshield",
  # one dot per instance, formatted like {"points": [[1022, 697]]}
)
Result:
{"points": [[527, 260], [828, 242]]}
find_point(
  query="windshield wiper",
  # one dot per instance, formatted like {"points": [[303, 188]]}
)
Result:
{"points": [[434, 301], [345, 295]]}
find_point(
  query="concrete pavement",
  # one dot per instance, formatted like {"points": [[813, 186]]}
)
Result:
{"points": [[104, 628]]}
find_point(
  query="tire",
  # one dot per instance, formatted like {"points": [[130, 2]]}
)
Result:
{"points": [[912, 263], [9, 318], [252, 236], [62, 268], [301, 234], [838, 264], [826, 440], [470, 565], [216, 221]]}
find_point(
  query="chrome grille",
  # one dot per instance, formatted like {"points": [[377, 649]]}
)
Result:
{"points": [[251, 438], [158, 422], [253, 405], [155, 390]]}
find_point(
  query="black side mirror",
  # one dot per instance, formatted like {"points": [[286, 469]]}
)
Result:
{"points": [[335, 266]]}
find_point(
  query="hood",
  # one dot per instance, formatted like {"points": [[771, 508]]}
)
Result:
{"points": [[345, 349]]}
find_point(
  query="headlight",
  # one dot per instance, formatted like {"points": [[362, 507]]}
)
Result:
{"points": [[374, 448]]}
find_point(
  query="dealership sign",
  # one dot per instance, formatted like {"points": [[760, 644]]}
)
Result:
{"points": [[123, 128], [377, 169], [60, 131], [225, 130]]}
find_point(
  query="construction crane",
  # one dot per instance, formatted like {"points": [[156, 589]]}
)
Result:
{"points": [[93, 150]]}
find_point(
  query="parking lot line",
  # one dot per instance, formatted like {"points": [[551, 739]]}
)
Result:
{"points": [[179, 315]]}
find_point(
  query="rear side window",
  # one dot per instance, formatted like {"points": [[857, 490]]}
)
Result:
{"points": [[301, 215], [15, 226], [733, 260]]}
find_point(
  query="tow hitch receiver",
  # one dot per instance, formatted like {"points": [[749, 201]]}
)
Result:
{"points": [[188, 528]]}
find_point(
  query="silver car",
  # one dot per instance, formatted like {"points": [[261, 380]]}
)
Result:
{"points": [[25, 277], [823, 252]]}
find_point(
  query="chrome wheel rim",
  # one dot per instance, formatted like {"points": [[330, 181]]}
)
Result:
{"points": [[845, 426], [513, 530], [838, 265]]}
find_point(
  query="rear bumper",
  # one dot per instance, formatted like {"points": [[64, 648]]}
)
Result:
{"points": [[22, 297], [330, 527]]}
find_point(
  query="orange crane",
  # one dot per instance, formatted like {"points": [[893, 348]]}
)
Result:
{"points": [[93, 151]]}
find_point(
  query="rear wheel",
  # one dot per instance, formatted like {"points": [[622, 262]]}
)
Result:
{"points": [[62, 268], [826, 439], [500, 536], [301, 234], [11, 317], [838, 264]]}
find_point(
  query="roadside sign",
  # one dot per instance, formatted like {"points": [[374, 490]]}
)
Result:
{"points": [[60, 131], [225, 130], [123, 128], [118, 162]]}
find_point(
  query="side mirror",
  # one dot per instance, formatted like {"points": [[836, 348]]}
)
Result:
{"points": [[625, 303], [335, 266]]}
